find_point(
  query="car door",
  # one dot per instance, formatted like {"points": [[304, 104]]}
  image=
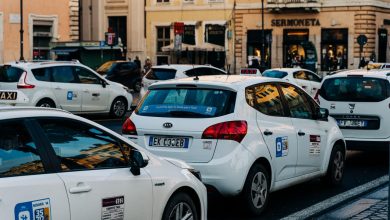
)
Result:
{"points": [[28, 190], [96, 174], [302, 80], [95, 96], [311, 134], [276, 129], [315, 82], [66, 88]]}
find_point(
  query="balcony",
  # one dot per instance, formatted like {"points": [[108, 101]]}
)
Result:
{"points": [[307, 5]]}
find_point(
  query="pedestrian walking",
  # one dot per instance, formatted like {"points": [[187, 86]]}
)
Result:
{"points": [[147, 66], [138, 62]]}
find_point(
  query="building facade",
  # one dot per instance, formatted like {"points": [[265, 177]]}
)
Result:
{"points": [[321, 33], [41, 25]]}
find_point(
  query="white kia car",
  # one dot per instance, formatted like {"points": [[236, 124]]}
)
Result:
{"points": [[67, 85], [308, 80], [55, 165], [246, 135], [359, 101]]}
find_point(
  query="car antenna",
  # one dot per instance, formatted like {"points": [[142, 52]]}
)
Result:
{"points": [[196, 75]]}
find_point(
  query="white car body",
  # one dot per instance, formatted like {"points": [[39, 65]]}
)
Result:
{"points": [[225, 164], [88, 192], [363, 120], [98, 96], [306, 79]]}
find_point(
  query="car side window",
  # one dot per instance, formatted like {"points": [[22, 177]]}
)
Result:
{"points": [[191, 72], [265, 98], [300, 75], [42, 74], [18, 152], [313, 77], [298, 103], [63, 74], [86, 77], [79, 146]]}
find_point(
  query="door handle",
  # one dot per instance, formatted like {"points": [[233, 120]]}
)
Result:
{"points": [[96, 94], [80, 188], [57, 88], [301, 133], [267, 132]]}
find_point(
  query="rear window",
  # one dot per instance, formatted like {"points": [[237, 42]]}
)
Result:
{"points": [[161, 74], [357, 89], [187, 103], [10, 74], [275, 74]]}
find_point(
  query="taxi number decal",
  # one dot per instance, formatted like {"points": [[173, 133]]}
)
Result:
{"points": [[315, 149], [281, 146], [113, 208], [33, 210]]}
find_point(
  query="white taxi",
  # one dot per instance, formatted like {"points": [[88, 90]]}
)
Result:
{"points": [[246, 135], [67, 85], [306, 79], [360, 102], [55, 165]]}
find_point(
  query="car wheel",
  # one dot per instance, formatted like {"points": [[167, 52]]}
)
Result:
{"points": [[137, 86], [47, 103], [256, 189], [336, 166], [180, 206], [118, 107]]}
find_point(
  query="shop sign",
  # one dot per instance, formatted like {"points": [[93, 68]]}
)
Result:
{"points": [[295, 22]]}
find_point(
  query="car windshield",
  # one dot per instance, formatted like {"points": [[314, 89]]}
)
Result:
{"points": [[105, 67], [358, 89], [274, 74], [187, 103], [161, 74]]}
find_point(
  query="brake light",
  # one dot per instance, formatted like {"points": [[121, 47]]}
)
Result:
{"points": [[230, 130], [316, 97], [22, 84], [129, 127]]}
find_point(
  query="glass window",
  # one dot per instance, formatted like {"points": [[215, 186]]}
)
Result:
{"points": [[18, 153], [83, 147], [313, 77], [161, 74], [63, 74], [42, 74], [274, 74], [298, 103], [300, 75], [86, 76], [10, 74], [163, 37], [187, 103], [265, 98]]}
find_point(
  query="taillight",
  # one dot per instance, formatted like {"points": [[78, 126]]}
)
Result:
{"points": [[316, 97], [230, 130], [129, 127], [22, 84]]}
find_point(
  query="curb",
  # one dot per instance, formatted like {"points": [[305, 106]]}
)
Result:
{"points": [[334, 201]]}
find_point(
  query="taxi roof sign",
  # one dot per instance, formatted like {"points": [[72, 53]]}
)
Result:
{"points": [[250, 72]]}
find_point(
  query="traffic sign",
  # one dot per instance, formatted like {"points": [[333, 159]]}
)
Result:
{"points": [[362, 39], [110, 39], [178, 28]]}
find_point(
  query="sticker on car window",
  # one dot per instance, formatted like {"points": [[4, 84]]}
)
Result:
{"points": [[33, 210], [281, 146], [315, 141], [199, 109], [113, 208], [70, 95]]}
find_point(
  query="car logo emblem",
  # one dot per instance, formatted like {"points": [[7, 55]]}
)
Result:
{"points": [[351, 106], [167, 125]]}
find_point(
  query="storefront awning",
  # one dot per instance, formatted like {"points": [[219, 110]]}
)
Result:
{"points": [[210, 47], [184, 47], [64, 51]]}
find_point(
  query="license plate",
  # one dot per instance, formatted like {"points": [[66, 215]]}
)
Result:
{"points": [[5, 95], [174, 142], [352, 123]]}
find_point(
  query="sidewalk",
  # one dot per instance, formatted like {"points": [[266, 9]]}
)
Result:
{"points": [[372, 206]]}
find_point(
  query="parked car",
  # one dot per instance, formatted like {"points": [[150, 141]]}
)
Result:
{"points": [[55, 165], [247, 135], [67, 85], [372, 65], [177, 71], [359, 101], [308, 80], [125, 73]]}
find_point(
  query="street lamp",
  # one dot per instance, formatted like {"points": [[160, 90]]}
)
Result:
{"points": [[262, 63], [21, 30]]}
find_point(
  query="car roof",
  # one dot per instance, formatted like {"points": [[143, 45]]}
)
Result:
{"points": [[377, 73], [228, 81], [289, 70], [181, 67], [38, 64], [8, 112]]}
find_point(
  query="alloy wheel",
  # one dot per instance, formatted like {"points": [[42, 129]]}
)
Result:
{"points": [[182, 211], [259, 190]]}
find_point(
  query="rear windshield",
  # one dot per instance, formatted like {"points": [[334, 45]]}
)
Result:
{"points": [[161, 74], [10, 74], [357, 89], [187, 103], [275, 74]]}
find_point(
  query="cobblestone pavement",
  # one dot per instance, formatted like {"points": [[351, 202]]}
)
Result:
{"points": [[375, 212]]}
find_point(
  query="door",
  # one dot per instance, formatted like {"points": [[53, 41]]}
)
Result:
{"points": [[277, 129], [66, 89], [26, 191], [311, 134], [95, 96], [96, 174], [302, 79]]}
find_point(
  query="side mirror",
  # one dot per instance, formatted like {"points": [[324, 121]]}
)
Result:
{"points": [[137, 162], [104, 83], [322, 114]]}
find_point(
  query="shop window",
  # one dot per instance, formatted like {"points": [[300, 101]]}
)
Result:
{"points": [[42, 36], [294, 52], [334, 49], [163, 37], [189, 34], [119, 27], [215, 34], [254, 47]]}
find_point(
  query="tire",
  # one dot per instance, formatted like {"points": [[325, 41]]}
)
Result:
{"points": [[335, 173], [256, 189], [180, 206], [137, 86], [47, 103], [118, 107]]}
